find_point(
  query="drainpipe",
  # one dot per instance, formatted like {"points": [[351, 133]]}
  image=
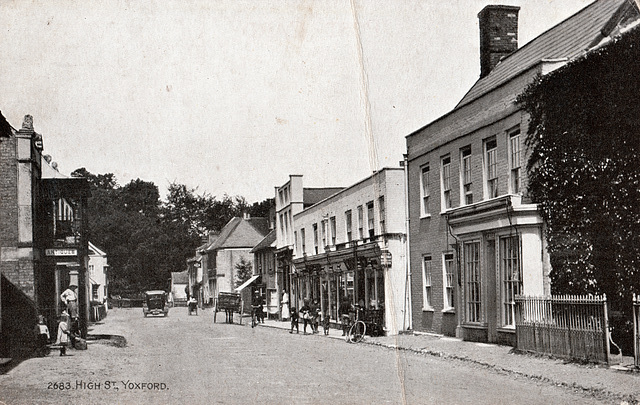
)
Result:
{"points": [[408, 314]]}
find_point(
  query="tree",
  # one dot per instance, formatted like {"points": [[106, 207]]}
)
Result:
{"points": [[244, 271], [583, 170]]}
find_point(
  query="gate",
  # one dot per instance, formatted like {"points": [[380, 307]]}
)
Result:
{"points": [[568, 326], [636, 330]]}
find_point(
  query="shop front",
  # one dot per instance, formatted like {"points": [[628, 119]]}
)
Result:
{"points": [[354, 275]]}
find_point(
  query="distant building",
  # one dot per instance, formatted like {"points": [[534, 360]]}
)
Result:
{"points": [[264, 266], [235, 242], [179, 283], [98, 270], [477, 240]]}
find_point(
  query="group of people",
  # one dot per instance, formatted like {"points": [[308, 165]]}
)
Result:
{"points": [[67, 333], [311, 315]]}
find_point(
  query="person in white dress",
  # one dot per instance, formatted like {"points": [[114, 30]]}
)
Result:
{"points": [[285, 306]]}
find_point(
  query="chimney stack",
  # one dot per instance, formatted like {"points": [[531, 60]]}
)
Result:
{"points": [[498, 35]]}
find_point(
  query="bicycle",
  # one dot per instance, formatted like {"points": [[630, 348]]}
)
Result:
{"points": [[357, 329]]}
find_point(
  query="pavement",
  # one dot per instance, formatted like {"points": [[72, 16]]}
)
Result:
{"points": [[620, 382]]}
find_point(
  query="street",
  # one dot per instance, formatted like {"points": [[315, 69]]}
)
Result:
{"points": [[186, 359]]}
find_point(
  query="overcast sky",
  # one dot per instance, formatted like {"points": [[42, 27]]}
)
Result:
{"points": [[233, 96]]}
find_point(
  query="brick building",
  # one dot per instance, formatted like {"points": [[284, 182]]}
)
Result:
{"points": [[476, 238], [42, 239]]}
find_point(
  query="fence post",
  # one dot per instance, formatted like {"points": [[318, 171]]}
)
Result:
{"points": [[636, 361], [606, 328]]}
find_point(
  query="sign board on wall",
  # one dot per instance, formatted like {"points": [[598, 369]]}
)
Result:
{"points": [[61, 252]]}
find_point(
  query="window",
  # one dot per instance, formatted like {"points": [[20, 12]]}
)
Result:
{"points": [[465, 175], [514, 160], [282, 225], [370, 219], [91, 269], [302, 241], [511, 272], [360, 222], [332, 224], [449, 298], [472, 281], [424, 190], [446, 182], [324, 233], [94, 292], [295, 240], [491, 160], [426, 282], [315, 237], [347, 219], [381, 210]]}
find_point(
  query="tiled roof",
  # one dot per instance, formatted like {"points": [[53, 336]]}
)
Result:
{"points": [[568, 40], [239, 232], [311, 196], [265, 243]]}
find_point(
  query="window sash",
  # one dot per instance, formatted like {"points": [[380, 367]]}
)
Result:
{"points": [[473, 293], [511, 271], [424, 181], [449, 280], [426, 281], [332, 222], [348, 225]]}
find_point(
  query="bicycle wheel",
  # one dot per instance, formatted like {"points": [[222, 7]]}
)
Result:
{"points": [[357, 331]]}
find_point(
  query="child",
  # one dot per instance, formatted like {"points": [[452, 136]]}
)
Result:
{"points": [[294, 320], [42, 337], [65, 337], [325, 323]]}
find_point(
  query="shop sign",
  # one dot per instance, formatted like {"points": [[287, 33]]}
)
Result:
{"points": [[61, 252], [386, 259]]}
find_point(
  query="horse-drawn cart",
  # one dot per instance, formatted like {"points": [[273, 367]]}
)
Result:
{"points": [[229, 303]]}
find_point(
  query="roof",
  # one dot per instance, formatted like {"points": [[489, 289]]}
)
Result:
{"points": [[311, 196], [247, 283], [267, 242], [181, 277], [96, 250], [568, 39], [241, 233]]}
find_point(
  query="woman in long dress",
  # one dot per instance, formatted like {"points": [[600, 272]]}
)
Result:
{"points": [[285, 306]]}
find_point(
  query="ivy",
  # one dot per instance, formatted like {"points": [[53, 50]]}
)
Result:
{"points": [[584, 144]]}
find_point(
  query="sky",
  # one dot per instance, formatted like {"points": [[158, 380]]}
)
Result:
{"points": [[232, 96]]}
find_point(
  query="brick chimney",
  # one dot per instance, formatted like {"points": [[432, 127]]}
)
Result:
{"points": [[498, 35]]}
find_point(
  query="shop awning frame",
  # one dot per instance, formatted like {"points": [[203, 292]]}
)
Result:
{"points": [[247, 283]]}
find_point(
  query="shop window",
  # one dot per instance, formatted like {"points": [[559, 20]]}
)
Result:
{"points": [[449, 278], [465, 175], [426, 282], [424, 190], [473, 292], [511, 271], [491, 167], [514, 161], [446, 182]]}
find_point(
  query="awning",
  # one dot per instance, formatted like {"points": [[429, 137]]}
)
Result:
{"points": [[247, 283]]}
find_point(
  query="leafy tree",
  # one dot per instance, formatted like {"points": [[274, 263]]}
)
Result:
{"points": [[244, 271], [583, 170]]}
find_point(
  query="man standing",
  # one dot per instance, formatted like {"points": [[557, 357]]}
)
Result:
{"points": [[70, 299]]}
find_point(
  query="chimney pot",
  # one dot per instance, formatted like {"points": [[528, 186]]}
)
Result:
{"points": [[498, 35]]}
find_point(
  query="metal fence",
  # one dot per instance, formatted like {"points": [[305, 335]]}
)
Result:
{"points": [[568, 326], [636, 330]]}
